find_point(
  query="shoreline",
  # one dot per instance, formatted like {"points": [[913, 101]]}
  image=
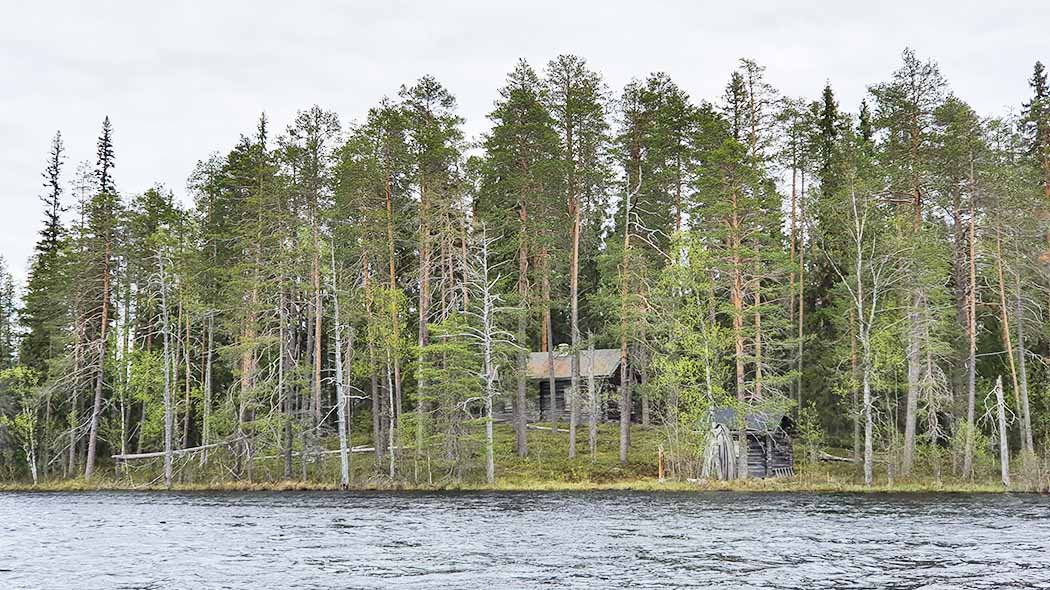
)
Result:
{"points": [[641, 485]]}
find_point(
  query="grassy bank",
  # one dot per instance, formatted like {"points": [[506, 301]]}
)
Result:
{"points": [[832, 485], [547, 468]]}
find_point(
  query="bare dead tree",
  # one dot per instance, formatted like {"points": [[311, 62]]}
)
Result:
{"points": [[340, 396], [494, 341], [168, 417]]}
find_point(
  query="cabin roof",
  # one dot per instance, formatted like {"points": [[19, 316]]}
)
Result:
{"points": [[757, 421], [604, 362]]}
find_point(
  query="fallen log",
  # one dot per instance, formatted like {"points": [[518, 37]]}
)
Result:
{"points": [[324, 452], [829, 457], [133, 456], [547, 428]]}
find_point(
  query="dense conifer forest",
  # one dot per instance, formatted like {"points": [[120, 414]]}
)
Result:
{"points": [[355, 298]]}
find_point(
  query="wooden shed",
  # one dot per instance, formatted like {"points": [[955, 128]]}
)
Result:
{"points": [[769, 447]]}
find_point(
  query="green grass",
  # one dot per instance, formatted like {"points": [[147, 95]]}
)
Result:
{"points": [[547, 467]]}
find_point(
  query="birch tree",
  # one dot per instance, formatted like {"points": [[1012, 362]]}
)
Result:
{"points": [[872, 273]]}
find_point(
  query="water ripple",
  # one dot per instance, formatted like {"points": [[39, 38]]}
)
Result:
{"points": [[522, 540]]}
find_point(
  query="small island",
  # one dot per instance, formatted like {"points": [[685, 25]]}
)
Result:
{"points": [[603, 289]]}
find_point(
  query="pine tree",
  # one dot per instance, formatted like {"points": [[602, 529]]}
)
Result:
{"points": [[521, 174], [737, 202], [906, 107], [959, 146], [574, 95], [434, 142], [372, 193], [308, 151]]}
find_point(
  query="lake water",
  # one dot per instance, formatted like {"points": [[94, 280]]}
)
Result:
{"points": [[522, 540]]}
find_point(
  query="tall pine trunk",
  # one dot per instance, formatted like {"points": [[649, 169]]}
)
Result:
{"points": [[574, 321], [518, 405], [971, 357], [548, 330], [395, 392]]}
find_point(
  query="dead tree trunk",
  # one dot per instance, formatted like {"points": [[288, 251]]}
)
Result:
{"points": [[96, 409], [187, 417], [1026, 416], [1004, 318], [377, 397], [394, 407], [340, 396], [1004, 449], [168, 414], [286, 399], [206, 418], [625, 379]]}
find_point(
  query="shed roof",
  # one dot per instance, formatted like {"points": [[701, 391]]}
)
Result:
{"points": [[758, 421], [604, 361]]}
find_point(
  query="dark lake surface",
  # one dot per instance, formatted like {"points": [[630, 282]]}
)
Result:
{"points": [[522, 540]]}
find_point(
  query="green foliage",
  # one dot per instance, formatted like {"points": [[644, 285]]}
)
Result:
{"points": [[811, 435], [451, 369], [21, 422]]}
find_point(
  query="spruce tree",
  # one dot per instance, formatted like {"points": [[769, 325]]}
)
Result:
{"points": [[8, 319], [105, 159], [1036, 124], [41, 317], [103, 214]]}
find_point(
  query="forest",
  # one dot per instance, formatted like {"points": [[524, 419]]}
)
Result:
{"points": [[353, 302]]}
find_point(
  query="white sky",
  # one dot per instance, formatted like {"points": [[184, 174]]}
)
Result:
{"points": [[181, 80]]}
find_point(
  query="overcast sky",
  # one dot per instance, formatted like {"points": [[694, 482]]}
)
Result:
{"points": [[181, 80]]}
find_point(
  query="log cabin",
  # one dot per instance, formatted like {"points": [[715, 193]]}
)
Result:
{"points": [[603, 363]]}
